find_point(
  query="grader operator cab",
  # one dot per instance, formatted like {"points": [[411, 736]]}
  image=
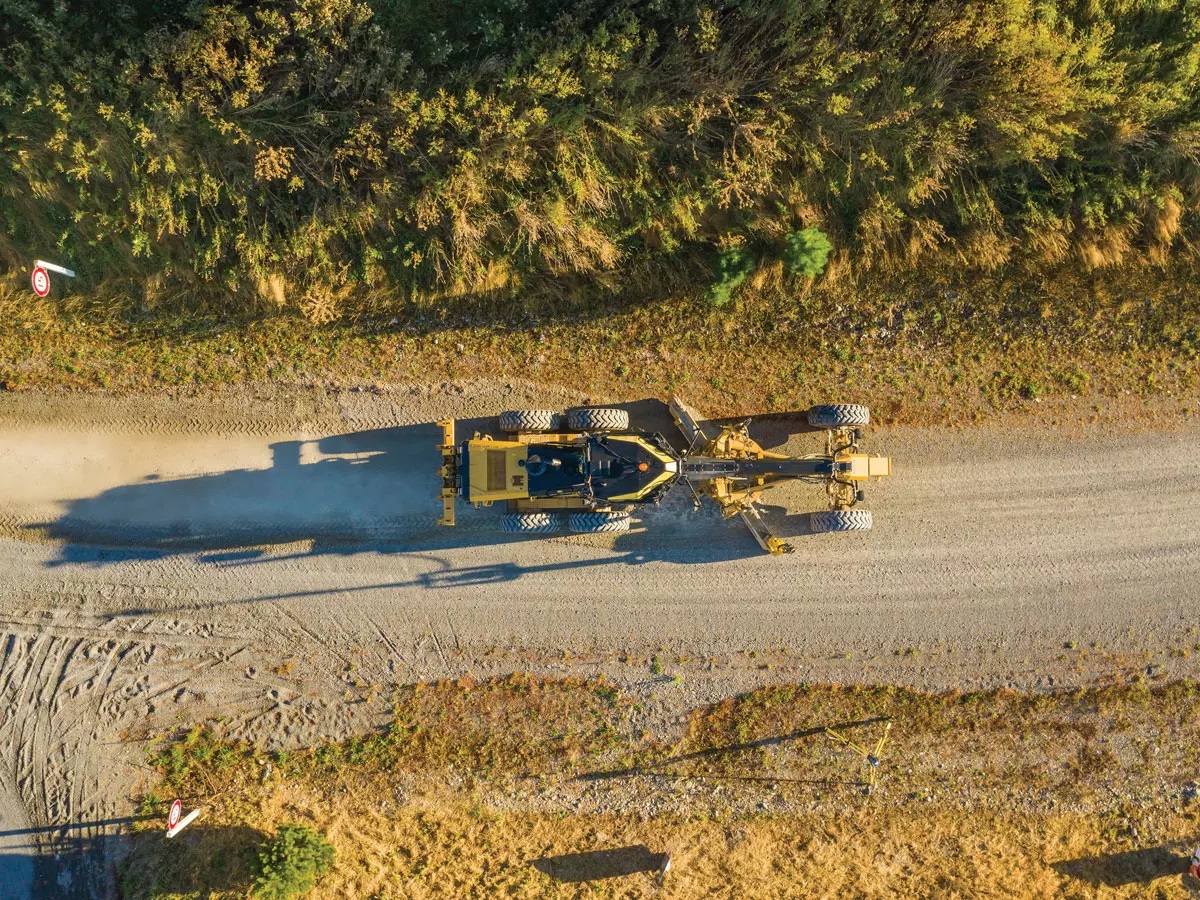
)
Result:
{"points": [[586, 470]]}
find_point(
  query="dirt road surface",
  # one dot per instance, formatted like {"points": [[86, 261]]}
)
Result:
{"points": [[275, 560]]}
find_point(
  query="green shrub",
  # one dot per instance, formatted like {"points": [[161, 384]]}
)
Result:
{"points": [[807, 252], [733, 267], [290, 863]]}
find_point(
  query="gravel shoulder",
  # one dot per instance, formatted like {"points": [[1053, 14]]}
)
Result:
{"points": [[273, 558]]}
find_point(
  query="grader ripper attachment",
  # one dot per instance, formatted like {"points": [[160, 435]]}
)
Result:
{"points": [[590, 468]]}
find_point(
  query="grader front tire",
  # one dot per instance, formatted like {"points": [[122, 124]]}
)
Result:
{"points": [[840, 520], [597, 418], [839, 415]]}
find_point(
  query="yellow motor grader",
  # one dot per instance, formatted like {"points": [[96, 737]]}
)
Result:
{"points": [[587, 469]]}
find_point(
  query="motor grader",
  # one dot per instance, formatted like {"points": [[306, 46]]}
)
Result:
{"points": [[586, 470]]}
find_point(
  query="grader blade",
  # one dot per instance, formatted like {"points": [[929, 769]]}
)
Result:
{"points": [[697, 430], [754, 521]]}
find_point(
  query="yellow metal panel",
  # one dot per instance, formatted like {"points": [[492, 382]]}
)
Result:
{"points": [[539, 504], [495, 473], [880, 466], [665, 476], [863, 467], [645, 445], [860, 465], [657, 454]]}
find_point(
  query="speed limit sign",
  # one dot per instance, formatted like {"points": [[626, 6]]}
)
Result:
{"points": [[174, 814], [41, 281]]}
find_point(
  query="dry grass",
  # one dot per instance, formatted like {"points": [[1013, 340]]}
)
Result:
{"points": [[936, 352], [453, 849], [989, 794]]}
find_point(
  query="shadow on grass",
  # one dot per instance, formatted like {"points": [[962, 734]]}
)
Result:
{"points": [[597, 864], [200, 860], [1129, 867], [652, 768]]}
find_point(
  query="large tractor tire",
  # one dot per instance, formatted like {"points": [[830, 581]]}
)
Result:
{"points": [[599, 522], [596, 418], [518, 421], [839, 415], [531, 523], [840, 520]]}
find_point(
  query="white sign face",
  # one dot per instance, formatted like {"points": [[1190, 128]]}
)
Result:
{"points": [[41, 281], [173, 816]]}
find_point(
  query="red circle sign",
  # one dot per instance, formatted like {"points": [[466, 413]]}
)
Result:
{"points": [[176, 812], [41, 282]]}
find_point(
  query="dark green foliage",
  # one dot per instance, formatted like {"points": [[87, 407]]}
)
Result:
{"points": [[807, 252], [290, 863], [733, 267], [335, 155]]}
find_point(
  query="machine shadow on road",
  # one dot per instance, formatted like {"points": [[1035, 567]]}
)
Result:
{"points": [[68, 863], [374, 490]]}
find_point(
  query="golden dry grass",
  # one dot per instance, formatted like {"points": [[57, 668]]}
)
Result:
{"points": [[995, 794], [454, 849]]}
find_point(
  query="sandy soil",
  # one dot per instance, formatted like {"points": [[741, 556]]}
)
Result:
{"points": [[274, 559]]}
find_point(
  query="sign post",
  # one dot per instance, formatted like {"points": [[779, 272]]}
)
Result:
{"points": [[175, 824]]}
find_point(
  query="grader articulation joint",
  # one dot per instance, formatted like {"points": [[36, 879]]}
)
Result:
{"points": [[590, 468]]}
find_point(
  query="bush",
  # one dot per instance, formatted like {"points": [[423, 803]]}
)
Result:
{"points": [[806, 252], [733, 267], [290, 863]]}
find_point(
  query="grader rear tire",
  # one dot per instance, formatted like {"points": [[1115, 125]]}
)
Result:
{"points": [[840, 520], [597, 418], [839, 415], [531, 523], [518, 421]]}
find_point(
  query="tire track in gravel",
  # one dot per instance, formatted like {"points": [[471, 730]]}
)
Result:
{"points": [[71, 688]]}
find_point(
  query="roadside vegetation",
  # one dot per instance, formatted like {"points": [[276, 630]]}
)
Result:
{"points": [[944, 209], [348, 157], [939, 349], [479, 789]]}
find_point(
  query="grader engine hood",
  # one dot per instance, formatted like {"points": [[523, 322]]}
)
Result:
{"points": [[614, 469], [495, 470]]}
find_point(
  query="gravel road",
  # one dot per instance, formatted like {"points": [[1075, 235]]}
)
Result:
{"points": [[268, 557]]}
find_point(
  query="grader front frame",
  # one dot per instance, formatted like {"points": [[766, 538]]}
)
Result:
{"points": [[727, 465]]}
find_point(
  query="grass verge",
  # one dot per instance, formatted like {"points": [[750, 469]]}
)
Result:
{"points": [[929, 350], [514, 787]]}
